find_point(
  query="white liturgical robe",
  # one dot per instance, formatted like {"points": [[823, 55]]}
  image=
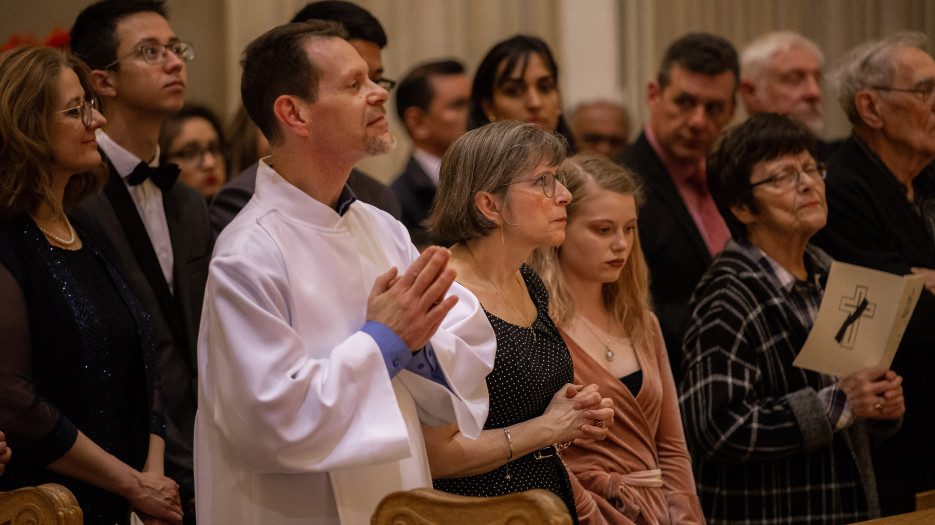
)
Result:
{"points": [[298, 419]]}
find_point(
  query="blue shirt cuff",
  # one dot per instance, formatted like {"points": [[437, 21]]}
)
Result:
{"points": [[425, 364], [396, 354]]}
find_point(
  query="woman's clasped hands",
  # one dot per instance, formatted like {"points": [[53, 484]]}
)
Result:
{"points": [[875, 393], [157, 499], [579, 414]]}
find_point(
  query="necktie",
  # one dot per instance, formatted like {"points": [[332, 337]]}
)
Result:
{"points": [[163, 176]]}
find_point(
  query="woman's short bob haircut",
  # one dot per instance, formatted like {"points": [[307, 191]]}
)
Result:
{"points": [[486, 159], [29, 84], [762, 137]]}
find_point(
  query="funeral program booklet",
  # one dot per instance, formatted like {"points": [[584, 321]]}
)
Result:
{"points": [[861, 321]]}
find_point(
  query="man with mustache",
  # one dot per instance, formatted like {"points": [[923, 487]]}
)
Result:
{"points": [[690, 102], [158, 230], [367, 37], [326, 340], [781, 72]]}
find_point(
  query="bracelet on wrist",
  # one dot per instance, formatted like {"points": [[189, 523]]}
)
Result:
{"points": [[509, 441]]}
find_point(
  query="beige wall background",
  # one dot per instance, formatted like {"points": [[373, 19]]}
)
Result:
{"points": [[605, 48]]}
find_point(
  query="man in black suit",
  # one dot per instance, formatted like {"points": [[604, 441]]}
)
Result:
{"points": [[690, 102], [881, 214], [157, 230], [432, 102], [366, 36]]}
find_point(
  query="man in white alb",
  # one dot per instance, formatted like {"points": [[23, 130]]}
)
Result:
{"points": [[318, 360]]}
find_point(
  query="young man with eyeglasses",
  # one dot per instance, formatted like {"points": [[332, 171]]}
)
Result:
{"points": [[157, 230], [366, 36]]}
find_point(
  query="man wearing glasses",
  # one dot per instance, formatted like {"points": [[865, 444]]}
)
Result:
{"points": [[366, 36], [158, 230], [881, 214]]}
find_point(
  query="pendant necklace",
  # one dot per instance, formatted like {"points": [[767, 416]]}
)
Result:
{"points": [[525, 311], [608, 353]]}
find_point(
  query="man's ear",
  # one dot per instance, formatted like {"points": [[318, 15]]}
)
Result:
{"points": [[412, 119], [290, 112], [748, 93], [104, 82], [868, 107], [490, 205], [653, 93]]}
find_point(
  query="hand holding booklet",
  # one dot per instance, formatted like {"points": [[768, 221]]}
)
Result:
{"points": [[861, 321]]}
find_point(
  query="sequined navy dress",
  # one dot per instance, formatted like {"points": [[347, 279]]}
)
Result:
{"points": [[75, 354], [527, 372]]}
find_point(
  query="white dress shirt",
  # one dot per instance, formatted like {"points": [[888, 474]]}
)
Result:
{"points": [[148, 199]]}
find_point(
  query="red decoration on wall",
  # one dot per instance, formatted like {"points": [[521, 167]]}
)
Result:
{"points": [[57, 38]]}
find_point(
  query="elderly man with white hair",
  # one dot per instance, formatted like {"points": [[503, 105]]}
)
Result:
{"points": [[781, 72], [881, 214]]}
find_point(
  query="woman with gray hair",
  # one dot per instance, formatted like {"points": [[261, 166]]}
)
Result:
{"points": [[772, 442], [499, 196]]}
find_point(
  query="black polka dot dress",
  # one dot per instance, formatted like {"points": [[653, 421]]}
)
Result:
{"points": [[526, 374]]}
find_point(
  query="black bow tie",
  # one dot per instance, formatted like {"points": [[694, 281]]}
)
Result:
{"points": [[163, 176]]}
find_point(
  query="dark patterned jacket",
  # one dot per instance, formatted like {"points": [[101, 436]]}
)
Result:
{"points": [[763, 448]]}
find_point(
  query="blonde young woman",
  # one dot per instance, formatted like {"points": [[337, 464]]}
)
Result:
{"points": [[500, 197], [598, 280]]}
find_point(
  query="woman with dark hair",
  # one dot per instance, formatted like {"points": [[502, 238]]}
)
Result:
{"points": [[78, 395], [500, 198], [772, 442], [192, 138], [598, 283], [518, 80]]}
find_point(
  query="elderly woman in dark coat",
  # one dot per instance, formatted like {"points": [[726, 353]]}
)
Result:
{"points": [[773, 443]]}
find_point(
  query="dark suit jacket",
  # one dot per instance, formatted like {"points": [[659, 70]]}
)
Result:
{"points": [[415, 191], [112, 219], [827, 148], [238, 191], [871, 223], [674, 248]]}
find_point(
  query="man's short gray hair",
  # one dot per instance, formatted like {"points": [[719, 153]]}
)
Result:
{"points": [[867, 65], [755, 58]]}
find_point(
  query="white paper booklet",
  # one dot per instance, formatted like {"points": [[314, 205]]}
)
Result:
{"points": [[861, 321]]}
